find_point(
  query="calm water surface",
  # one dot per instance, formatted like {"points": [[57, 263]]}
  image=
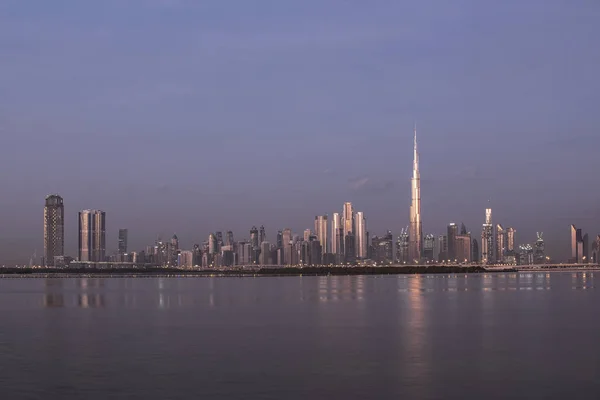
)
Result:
{"points": [[490, 336]]}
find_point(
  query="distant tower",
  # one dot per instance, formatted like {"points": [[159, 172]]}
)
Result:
{"points": [[262, 235], [122, 241], [487, 239], [92, 235], [452, 234], [54, 229], [321, 232], [348, 221], [510, 239], [287, 246], [213, 247], [337, 246], [500, 242], [402, 244], [539, 253], [229, 238], [361, 235], [415, 248], [254, 238], [475, 249], [428, 247]]}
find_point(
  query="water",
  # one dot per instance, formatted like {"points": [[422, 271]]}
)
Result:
{"points": [[492, 336]]}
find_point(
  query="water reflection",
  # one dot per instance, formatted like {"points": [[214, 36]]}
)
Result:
{"points": [[56, 294], [340, 288]]}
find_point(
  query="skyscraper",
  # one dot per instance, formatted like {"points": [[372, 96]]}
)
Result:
{"points": [[229, 238], [510, 239], [402, 247], [287, 247], [415, 228], [254, 238], [428, 247], [336, 235], [475, 249], [122, 241], [452, 234], [92, 235], [321, 232], [361, 235], [500, 242], [262, 235], [539, 253], [54, 229], [347, 221], [464, 252], [577, 248], [487, 239]]}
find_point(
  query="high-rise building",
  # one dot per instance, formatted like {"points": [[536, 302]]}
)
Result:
{"points": [[347, 222], [596, 251], [402, 244], [54, 229], [525, 254], [452, 234], [279, 243], [337, 244], [244, 253], [383, 248], [429, 247], [487, 239], [265, 253], [415, 248], [213, 248], [500, 242], [360, 235], [229, 238], [254, 238], [349, 248], [510, 239], [287, 247], [92, 235], [262, 234], [475, 249], [122, 241], [464, 253], [185, 259], [321, 232], [585, 249], [539, 254], [219, 236], [443, 244], [577, 245]]}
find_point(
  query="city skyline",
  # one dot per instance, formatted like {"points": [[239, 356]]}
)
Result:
{"points": [[316, 105]]}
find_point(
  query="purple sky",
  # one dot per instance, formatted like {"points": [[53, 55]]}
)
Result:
{"points": [[196, 116]]}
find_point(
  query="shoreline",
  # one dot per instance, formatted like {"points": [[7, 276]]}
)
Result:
{"points": [[258, 272]]}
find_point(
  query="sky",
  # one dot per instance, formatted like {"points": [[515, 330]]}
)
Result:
{"points": [[189, 117]]}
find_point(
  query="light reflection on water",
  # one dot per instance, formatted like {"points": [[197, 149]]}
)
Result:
{"points": [[168, 293]]}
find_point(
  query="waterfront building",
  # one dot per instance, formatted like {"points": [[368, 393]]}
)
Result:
{"points": [[54, 229], [92, 235], [539, 254], [347, 223], [525, 254], [415, 228], [122, 242], [361, 235], [443, 245], [262, 234], [429, 248], [402, 244], [254, 239], [577, 245], [464, 252], [185, 259], [500, 243], [596, 251], [321, 232], [487, 239], [229, 238], [337, 235], [384, 248], [244, 253], [475, 249], [287, 247], [452, 234], [265, 253], [213, 248], [510, 239]]}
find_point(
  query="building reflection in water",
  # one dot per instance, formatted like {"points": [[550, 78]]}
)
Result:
{"points": [[54, 295], [341, 288]]}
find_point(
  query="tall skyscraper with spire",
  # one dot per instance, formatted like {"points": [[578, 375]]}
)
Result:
{"points": [[415, 234]]}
